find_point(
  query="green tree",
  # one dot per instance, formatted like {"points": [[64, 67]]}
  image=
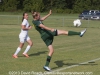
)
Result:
{"points": [[9, 5], [95, 4], [36, 5], [81, 5], [61, 6], [70, 4], [47, 4], [20, 4], [58, 5]]}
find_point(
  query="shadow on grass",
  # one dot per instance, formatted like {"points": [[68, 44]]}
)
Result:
{"points": [[38, 53], [35, 54], [61, 63]]}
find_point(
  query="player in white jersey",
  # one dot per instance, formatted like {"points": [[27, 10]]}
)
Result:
{"points": [[23, 36]]}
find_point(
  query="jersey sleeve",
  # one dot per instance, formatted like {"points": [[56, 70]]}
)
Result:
{"points": [[36, 23], [24, 22]]}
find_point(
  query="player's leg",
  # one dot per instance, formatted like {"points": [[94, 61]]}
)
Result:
{"points": [[48, 40], [69, 33], [62, 32], [51, 51], [30, 43], [22, 40]]}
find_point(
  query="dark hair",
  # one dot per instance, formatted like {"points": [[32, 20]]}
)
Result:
{"points": [[23, 16], [34, 14]]}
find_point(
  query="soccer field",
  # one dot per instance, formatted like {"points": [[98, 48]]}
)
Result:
{"points": [[73, 55]]}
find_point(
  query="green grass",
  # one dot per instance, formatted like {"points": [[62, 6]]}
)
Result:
{"points": [[69, 50]]}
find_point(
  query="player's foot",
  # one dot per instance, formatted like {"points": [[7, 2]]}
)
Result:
{"points": [[47, 68], [26, 55], [82, 32], [15, 56]]}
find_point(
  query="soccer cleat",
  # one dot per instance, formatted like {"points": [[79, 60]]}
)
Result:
{"points": [[26, 55], [47, 68], [15, 56], [82, 32]]}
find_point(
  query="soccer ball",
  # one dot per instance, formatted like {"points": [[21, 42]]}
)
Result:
{"points": [[77, 23]]}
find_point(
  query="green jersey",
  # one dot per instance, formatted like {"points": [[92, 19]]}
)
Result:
{"points": [[36, 25], [46, 35], [41, 30]]}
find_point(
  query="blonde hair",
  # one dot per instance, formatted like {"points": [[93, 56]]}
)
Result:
{"points": [[34, 14]]}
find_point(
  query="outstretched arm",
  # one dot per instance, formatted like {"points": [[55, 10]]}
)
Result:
{"points": [[43, 18], [46, 28], [24, 27]]}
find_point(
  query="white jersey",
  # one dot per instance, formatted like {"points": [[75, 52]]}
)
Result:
{"points": [[24, 33]]}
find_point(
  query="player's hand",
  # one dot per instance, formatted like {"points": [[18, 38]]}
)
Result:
{"points": [[29, 27], [50, 12], [52, 30]]}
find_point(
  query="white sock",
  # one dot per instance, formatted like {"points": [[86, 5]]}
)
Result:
{"points": [[27, 49], [17, 51]]}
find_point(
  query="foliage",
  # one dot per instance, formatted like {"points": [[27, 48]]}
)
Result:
{"points": [[9, 5], [58, 6]]}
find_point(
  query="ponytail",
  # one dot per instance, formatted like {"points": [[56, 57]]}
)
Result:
{"points": [[22, 19], [23, 16]]}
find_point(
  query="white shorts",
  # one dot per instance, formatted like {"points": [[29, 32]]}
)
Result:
{"points": [[24, 39]]}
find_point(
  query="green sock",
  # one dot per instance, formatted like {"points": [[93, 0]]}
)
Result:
{"points": [[48, 60], [73, 33]]}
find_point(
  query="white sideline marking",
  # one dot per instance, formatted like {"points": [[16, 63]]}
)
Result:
{"points": [[75, 65]]}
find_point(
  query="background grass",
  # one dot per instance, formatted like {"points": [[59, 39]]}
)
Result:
{"points": [[69, 50]]}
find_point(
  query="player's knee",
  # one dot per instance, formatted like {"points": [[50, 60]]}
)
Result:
{"points": [[21, 45], [51, 51], [31, 43]]}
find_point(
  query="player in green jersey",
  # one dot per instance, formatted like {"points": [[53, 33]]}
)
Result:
{"points": [[47, 34]]}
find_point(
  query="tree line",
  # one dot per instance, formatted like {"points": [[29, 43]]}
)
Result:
{"points": [[58, 6]]}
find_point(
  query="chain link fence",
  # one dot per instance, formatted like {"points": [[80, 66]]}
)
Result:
{"points": [[51, 21]]}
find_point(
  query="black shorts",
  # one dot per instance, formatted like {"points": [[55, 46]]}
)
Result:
{"points": [[48, 37]]}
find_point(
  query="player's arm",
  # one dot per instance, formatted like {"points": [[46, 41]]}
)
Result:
{"points": [[46, 28], [24, 27], [43, 18]]}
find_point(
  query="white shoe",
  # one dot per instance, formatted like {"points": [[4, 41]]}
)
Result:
{"points": [[82, 32], [47, 68]]}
